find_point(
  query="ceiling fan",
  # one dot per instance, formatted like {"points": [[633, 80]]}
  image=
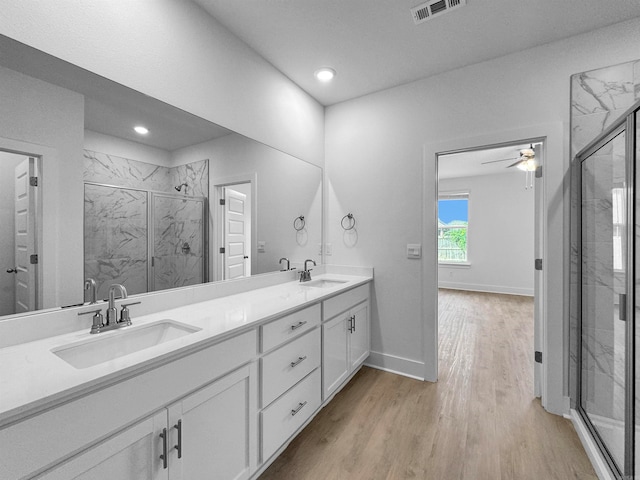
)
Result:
{"points": [[526, 161]]}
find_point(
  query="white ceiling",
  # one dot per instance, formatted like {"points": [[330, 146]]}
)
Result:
{"points": [[374, 44], [111, 108], [472, 164]]}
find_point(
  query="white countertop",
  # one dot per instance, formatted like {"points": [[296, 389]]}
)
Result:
{"points": [[33, 378]]}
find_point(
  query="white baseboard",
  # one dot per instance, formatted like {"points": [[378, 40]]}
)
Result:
{"points": [[474, 287], [398, 365], [593, 452]]}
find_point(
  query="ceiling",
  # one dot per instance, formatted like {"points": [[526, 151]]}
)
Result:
{"points": [[374, 44], [111, 108], [472, 163]]}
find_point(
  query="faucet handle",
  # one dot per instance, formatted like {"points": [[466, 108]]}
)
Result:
{"points": [[124, 313], [98, 320]]}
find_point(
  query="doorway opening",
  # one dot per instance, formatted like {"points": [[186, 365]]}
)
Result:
{"points": [[19, 289], [234, 226], [489, 233]]}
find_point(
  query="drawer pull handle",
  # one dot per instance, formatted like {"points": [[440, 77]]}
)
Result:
{"points": [[164, 456], [296, 410], [178, 426], [299, 361], [298, 325]]}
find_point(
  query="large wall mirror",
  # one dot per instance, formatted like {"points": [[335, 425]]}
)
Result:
{"points": [[85, 198]]}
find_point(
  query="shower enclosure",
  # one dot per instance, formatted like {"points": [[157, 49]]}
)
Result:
{"points": [[144, 240], [609, 275]]}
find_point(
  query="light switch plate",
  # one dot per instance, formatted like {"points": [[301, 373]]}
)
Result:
{"points": [[414, 250]]}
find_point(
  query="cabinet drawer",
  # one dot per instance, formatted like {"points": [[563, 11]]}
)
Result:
{"points": [[286, 328], [284, 416], [286, 366], [344, 301]]}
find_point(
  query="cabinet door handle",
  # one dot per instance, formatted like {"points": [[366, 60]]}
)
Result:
{"points": [[298, 325], [164, 456], [178, 426], [298, 408], [353, 319], [299, 361]]}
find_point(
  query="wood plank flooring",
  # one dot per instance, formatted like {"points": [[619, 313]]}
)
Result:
{"points": [[479, 421]]}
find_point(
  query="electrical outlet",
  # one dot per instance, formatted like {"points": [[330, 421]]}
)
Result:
{"points": [[319, 249], [261, 246], [328, 249]]}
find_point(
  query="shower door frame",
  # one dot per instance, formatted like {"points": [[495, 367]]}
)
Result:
{"points": [[626, 123], [151, 281], [150, 226]]}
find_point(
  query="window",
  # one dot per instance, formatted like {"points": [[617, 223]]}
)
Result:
{"points": [[453, 224]]}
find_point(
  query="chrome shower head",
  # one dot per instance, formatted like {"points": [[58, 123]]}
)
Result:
{"points": [[179, 187]]}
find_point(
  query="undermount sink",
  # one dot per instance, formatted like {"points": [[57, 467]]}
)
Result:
{"points": [[116, 344], [324, 283]]}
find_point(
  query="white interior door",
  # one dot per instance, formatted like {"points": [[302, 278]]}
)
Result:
{"points": [[538, 372], [235, 234], [25, 236]]}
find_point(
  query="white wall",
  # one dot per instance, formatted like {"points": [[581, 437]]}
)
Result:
{"points": [[98, 142], [286, 188], [375, 162], [175, 51], [501, 235], [40, 118]]}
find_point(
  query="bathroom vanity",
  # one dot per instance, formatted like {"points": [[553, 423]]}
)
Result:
{"points": [[216, 388]]}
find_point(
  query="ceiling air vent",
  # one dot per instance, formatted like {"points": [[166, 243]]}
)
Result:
{"points": [[427, 11]]}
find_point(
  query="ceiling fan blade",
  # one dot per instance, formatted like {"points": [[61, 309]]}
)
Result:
{"points": [[517, 163], [495, 161]]}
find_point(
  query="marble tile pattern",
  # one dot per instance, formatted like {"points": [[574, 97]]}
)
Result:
{"points": [[178, 242], [598, 98], [603, 333], [116, 230], [115, 238]]}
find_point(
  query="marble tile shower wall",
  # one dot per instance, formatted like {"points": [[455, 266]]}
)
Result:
{"points": [[598, 98], [117, 233]]}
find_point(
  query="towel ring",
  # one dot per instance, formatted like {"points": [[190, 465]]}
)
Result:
{"points": [[351, 221], [299, 223]]}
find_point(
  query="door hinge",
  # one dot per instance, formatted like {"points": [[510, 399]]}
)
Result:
{"points": [[539, 171], [538, 357], [222, 202], [33, 181], [33, 259], [221, 249], [538, 264]]}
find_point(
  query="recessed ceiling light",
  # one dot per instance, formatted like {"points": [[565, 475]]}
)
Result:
{"points": [[141, 130], [325, 74]]}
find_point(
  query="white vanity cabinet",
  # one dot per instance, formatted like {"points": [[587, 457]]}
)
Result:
{"points": [[212, 390], [131, 453], [345, 337], [214, 430], [290, 373], [211, 430]]}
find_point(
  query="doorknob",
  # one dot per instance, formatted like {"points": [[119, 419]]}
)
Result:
{"points": [[245, 257], [12, 270]]}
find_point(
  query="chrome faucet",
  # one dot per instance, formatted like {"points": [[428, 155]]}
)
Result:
{"points": [[112, 311], [288, 264], [90, 284], [305, 275], [112, 320]]}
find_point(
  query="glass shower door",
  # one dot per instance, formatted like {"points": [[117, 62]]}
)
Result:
{"points": [[604, 295], [178, 258]]}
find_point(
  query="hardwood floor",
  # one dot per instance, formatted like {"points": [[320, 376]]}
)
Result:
{"points": [[479, 421]]}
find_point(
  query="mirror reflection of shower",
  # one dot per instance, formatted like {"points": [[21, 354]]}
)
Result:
{"points": [[179, 187]]}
